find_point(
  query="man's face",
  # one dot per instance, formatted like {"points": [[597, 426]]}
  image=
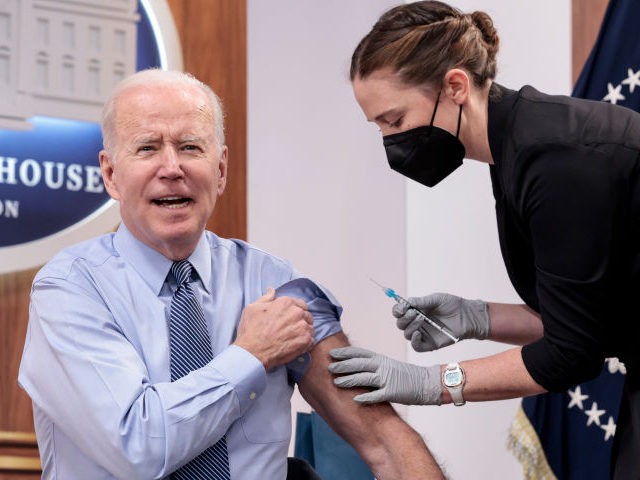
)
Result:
{"points": [[166, 170]]}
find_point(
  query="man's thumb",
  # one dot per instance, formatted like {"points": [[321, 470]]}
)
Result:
{"points": [[269, 295]]}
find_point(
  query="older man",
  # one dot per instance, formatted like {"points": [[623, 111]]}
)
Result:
{"points": [[163, 349]]}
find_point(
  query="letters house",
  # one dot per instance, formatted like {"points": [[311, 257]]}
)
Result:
{"points": [[60, 58]]}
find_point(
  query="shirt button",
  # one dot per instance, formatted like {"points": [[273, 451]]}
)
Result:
{"points": [[252, 396]]}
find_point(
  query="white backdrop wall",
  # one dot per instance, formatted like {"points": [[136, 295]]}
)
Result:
{"points": [[321, 193]]}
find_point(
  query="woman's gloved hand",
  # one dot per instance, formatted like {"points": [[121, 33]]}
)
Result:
{"points": [[392, 380], [464, 318]]}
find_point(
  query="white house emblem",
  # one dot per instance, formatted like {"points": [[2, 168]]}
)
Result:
{"points": [[58, 61]]}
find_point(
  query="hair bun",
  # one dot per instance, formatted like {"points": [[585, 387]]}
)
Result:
{"points": [[489, 34]]}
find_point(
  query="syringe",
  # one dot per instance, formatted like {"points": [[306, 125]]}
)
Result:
{"points": [[391, 293]]}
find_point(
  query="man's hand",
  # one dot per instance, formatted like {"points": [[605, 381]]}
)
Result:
{"points": [[465, 318], [275, 330], [394, 381]]}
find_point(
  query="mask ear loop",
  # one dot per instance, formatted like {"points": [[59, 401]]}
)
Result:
{"points": [[435, 109], [459, 121]]}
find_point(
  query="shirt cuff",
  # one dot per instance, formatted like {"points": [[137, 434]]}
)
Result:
{"points": [[245, 373]]}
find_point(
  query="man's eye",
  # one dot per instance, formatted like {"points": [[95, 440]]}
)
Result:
{"points": [[396, 123], [192, 148], [145, 148]]}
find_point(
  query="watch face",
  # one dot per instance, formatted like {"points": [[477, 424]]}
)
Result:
{"points": [[452, 378]]}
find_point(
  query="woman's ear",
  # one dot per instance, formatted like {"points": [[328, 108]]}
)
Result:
{"points": [[456, 85]]}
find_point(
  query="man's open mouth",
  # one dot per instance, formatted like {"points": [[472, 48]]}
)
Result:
{"points": [[172, 202]]}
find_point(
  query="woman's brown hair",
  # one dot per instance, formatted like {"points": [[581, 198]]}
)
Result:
{"points": [[421, 41]]}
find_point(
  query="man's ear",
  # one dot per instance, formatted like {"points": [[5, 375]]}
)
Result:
{"points": [[222, 170], [108, 176], [456, 85]]}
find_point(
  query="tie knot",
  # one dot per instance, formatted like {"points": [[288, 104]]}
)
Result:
{"points": [[181, 271]]}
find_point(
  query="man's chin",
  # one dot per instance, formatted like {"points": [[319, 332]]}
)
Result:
{"points": [[174, 241]]}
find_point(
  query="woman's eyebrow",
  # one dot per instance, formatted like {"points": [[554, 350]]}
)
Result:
{"points": [[383, 116]]}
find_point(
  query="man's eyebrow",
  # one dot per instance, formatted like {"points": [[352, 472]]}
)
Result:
{"points": [[146, 138], [191, 139]]}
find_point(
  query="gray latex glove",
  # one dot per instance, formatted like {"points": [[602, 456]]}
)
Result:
{"points": [[393, 381], [465, 318]]}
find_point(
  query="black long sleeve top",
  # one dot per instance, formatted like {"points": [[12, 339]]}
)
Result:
{"points": [[566, 182]]}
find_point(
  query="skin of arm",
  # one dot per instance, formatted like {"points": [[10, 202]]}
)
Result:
{"points": [[390, 447], [515, 324], [503, 375], [496, 377]]}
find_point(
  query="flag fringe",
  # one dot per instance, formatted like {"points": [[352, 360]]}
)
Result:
{"points": [[524, 444]]}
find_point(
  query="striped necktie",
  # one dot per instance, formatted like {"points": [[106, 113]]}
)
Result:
{"points": [[190, 349]]}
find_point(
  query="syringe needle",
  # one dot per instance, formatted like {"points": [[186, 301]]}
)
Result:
{"points": [[389, 292]]}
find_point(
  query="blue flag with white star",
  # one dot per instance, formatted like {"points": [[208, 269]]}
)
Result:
{"points": [[612, 71], [569, 435]]}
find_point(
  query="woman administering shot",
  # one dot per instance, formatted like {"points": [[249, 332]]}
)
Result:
{"points": [[566, 181]]}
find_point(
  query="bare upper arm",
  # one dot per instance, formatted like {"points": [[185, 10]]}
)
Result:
{"points": [[376, 431]]}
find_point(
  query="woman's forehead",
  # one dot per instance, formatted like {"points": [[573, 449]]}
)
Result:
{"points": [[382, 91]]}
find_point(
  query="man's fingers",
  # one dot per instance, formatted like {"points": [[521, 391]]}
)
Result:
{"points": [[300, 303], [308, 318], [269, 295]]}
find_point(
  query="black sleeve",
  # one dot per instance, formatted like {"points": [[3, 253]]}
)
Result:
{"points": [[570, 199]]}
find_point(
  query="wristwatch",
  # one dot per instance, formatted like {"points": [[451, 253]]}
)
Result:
{"points": [[453, 380]]}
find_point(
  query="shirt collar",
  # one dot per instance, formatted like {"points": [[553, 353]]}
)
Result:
{"points": [[201, 261], [154, 267]]}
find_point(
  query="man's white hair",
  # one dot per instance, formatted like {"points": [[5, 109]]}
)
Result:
{"points": [[157, 76]]}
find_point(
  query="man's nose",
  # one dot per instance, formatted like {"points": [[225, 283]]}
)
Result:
{"points": [[170, 166]]}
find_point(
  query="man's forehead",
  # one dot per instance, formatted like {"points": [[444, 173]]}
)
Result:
{"points": [[145, 111]]}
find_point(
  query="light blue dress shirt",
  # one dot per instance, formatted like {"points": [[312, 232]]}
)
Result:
{"points": [[96, 362]]}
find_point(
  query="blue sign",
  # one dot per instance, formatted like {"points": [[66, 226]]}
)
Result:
{"points": [[50, 137]]}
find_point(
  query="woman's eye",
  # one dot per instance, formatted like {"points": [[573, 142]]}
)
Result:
{"points": [[396, 123]]}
